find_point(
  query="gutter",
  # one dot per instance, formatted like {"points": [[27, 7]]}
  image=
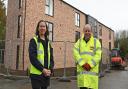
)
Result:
{"points": [[24, 34]]}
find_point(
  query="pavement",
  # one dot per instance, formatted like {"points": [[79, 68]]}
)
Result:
{"points": [[116, 79], [16, 82]]}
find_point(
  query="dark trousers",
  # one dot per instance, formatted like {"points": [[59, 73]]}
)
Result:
{"points": [[40, 88], [84, 88]]}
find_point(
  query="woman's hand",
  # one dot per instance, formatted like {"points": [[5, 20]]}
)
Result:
{"points": [[46, 72]]}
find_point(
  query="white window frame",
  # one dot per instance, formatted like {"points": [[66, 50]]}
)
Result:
{"points": [[19, 25], [20, 3], [49, 7], [77, 19], [50, 29]]}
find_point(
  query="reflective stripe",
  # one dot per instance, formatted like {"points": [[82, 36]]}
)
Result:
{"points": [[82, 53], [49, 54], [99, 48], [77, 49], [94, 45], [41, 60], [38, 45], [88, 72], [93, 62], [79, 60], [39, 51], [89, 53]]}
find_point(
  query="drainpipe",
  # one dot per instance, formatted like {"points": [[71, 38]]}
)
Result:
{"points": [[24, 33]]}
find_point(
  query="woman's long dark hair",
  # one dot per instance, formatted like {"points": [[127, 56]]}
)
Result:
{"points": [[37, 31]]}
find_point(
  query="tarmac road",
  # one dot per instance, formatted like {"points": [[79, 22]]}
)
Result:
{"points": [[117, 79]]}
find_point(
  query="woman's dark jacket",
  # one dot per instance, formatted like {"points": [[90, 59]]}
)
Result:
{"points": [[40, 80]]}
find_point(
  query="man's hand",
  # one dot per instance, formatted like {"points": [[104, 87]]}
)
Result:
{"points": [[46, 72], [86, 66]]}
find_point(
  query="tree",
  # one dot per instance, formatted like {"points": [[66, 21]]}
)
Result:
{"points": [[2, 22], [122, 40]]}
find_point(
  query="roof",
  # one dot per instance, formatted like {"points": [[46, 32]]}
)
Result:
{"points": [[73, 7], [84, 13]]}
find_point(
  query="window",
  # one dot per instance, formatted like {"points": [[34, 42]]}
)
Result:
{"points": [[17, 56], [110, 46], [109, 34], [49, 7], [50, 29], [77, 19], [95, 32], [2, 56], [20, 3], [77, 36], [100, 30], [19, 26], [100, 42]]}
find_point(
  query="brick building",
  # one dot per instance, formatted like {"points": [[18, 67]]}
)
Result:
{"points": [[65, 24]]}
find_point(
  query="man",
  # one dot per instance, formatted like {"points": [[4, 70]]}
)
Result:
{"points": [[87, 54]]}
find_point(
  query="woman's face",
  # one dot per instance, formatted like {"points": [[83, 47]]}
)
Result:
{"points": [[42, 28]]}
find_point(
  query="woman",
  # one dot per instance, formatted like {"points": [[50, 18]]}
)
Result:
{"points": [[41, 57]]}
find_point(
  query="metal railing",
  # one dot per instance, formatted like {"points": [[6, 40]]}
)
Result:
{"points": [[63, 55], [105, 62]]}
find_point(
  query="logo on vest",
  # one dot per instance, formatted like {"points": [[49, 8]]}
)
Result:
{"points": [[91, 47]]}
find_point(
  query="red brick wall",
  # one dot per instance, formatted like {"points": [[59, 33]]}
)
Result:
{"points": [[64, 30]]}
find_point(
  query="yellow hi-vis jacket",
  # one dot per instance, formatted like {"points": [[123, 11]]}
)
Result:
{"points": [[90, 53], [40, 56]]}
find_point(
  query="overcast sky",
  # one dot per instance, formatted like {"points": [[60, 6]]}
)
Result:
{"points": [[112, 13]]}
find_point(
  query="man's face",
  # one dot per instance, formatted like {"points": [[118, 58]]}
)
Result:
{"points": [[87, 32]]}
